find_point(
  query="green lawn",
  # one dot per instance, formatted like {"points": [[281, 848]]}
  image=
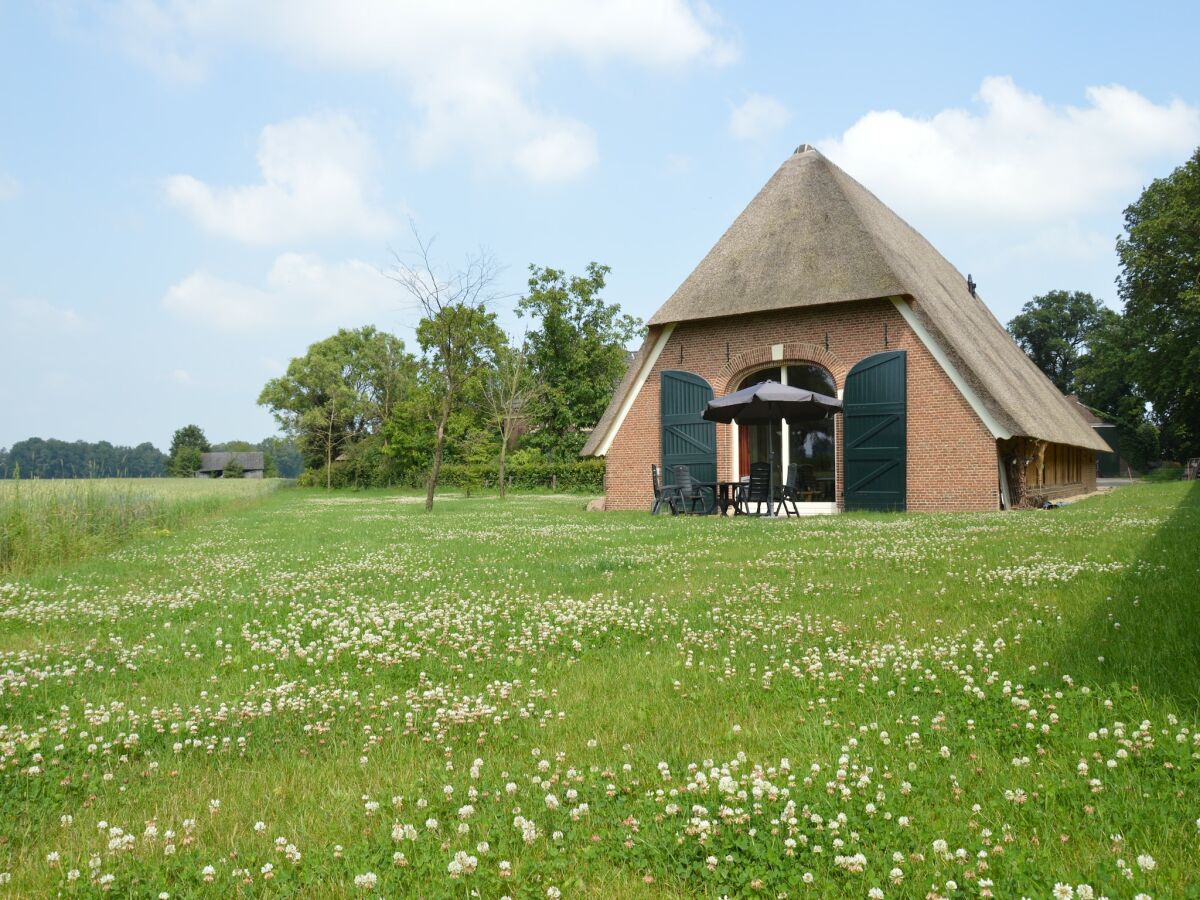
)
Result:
{"points": [[523, 699]]}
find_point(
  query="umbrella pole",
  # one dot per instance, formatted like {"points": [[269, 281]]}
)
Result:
{"points": [[771, 471]]}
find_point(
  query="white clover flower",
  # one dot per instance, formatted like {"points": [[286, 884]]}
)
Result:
{"points": [[366, 881], [1146, 862]]}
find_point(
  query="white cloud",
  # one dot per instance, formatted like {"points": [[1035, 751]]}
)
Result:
{"points": [[41, 317], [1018, 159], [299, 292], [315, 172], [182, 376], [8, 187], [757, 117], [470, 66]]}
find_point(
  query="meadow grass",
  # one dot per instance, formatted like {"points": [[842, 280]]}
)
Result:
{"points": [[45, 522], [339, 695]]}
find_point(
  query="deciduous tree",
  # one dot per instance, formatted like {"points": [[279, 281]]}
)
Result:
{"points": [[340, 391], [509, 389], [189, 437], [456, 333], [1160, 284], [1053, 330], [578, 352]]}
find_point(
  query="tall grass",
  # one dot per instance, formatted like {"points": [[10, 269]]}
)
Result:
{"points": [[46, 522]]}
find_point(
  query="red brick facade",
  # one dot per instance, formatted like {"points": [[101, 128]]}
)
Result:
{"points": [[952, 457]]}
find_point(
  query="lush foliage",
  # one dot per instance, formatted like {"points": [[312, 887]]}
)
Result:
{"points": [[49, 522], [1053, 330], [367, 413], [340, 392], [187, 444], [338, 695], [50, 458], [578, 352], [1160, 284]]}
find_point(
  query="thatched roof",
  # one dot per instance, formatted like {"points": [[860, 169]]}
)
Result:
{"points": [[216, 462], [815, 236]]}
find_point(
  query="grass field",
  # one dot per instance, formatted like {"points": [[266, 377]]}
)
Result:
{"points": [[338, 695], [44, 522]]}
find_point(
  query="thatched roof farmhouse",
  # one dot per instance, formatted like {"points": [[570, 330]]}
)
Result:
{"points": [[819, 284]]}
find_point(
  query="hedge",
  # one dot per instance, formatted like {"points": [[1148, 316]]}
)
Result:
{"points": [[585, 475], [582, 476]]}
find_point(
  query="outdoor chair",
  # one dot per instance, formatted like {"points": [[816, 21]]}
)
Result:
{"points": [[756, 490], [664, 493], [790, 492], [690, 493]]}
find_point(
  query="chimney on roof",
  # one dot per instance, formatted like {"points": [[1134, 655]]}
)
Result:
{"points": [[805, 148], [971, 284]]}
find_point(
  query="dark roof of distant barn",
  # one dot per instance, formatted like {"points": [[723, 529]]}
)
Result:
{"points": [[1089, 415], [815, 236], [216, 462]]}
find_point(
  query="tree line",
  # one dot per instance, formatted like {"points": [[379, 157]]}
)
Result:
{"points": [[1138, 368], [50, 458], [366, 410]]}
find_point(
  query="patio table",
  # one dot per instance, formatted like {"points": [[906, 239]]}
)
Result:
{"points": [[724, 494]]}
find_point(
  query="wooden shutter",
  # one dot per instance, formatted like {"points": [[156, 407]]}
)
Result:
{"points": [[687, 439], [876, 432]]}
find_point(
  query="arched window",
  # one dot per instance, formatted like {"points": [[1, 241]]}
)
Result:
{"points": [[809, 442]]}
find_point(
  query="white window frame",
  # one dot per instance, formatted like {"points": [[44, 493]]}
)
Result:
{"points": [[812, 508]]}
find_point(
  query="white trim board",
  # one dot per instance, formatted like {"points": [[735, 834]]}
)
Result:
{"points": [[634, 389], [997, 430]]}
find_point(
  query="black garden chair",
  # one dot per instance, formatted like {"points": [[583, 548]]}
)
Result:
{"points": [[664, 493], [790, 492], [690, 492], [756, 490]]}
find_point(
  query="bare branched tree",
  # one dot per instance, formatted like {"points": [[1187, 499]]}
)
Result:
{"points": [[455, 332], [509, 387]]}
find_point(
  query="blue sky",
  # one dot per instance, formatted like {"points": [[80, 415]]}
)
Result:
{"points": [[192, 191]]}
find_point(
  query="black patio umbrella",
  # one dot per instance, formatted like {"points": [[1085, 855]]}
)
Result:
{"points": [[770, 402]]}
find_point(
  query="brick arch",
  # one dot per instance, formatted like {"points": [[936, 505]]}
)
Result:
{"points": [[742, 364]]}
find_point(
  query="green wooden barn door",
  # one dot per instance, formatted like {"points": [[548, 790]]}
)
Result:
{"points": [[874, 406], [687, 439]]}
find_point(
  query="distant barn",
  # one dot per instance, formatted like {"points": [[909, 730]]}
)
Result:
{"points": [[1110, 464], [212, 465]]}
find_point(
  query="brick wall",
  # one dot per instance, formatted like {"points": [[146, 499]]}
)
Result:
{"points": [[951, 455]]}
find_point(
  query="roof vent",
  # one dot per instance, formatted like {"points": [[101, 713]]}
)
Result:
{"points": [[971, 284], [805, 148]]}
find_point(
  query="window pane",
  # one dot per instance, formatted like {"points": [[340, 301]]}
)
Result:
{"points": [[811, 378], [811, 447], [760, 376]]}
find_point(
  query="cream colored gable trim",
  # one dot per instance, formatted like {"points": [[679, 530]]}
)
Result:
{"points": [[998, 431], [634, 390]]}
